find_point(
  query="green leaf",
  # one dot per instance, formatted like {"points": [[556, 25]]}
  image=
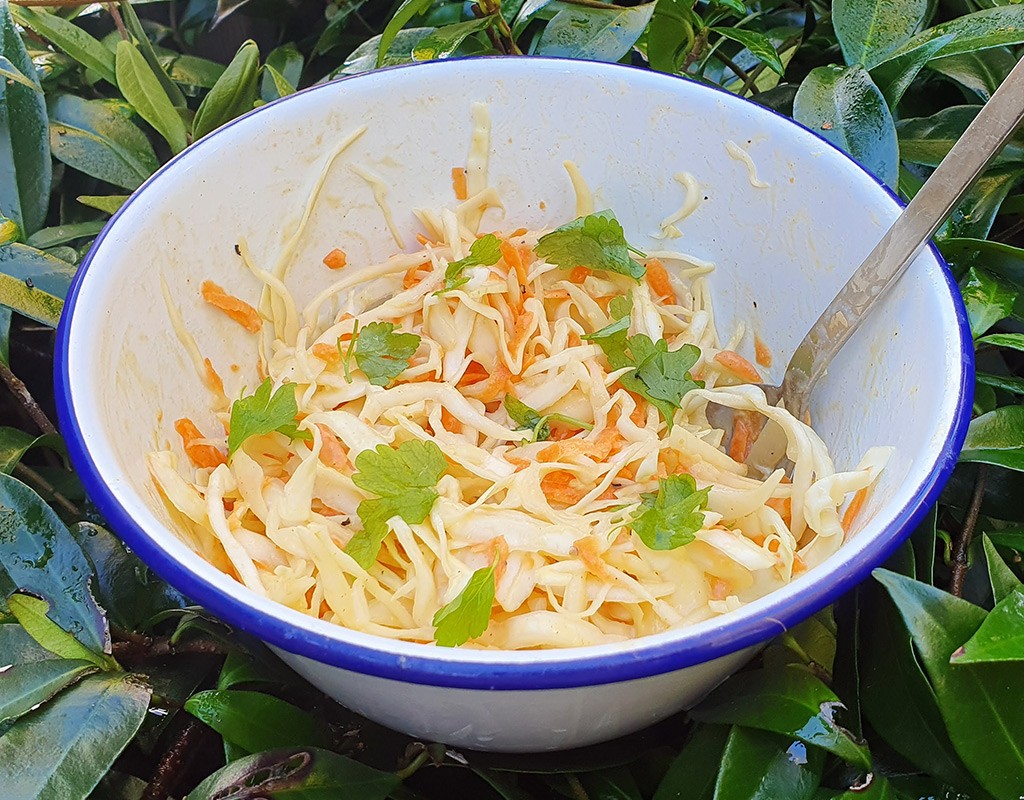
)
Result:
{"points": [[405, 12], [977, 211], [669, 35], [484, 252], [1003, 580], [39, 555], [406, 479], [38, 270], [1013, 341], [138, 33], [287, 61], [979, 702], [844, 106], [280, 84], [812, 642], [927, 140], [17, 647], [142, 89], [596, 241], [32, 303], [615, 783], [758, 765], [399, 51], [445, 41], [691, 775], [990, 27], [980, 71], [305, 773], [62, 750], [466, 617], [669, 518], [1001, 635], [99, 138], [63, 234], [526, 418], [254, 665], [25, 686], [987, 300], [12, 73], [261, 413], [758, 44], [191, 70], [15, 443], [65, 35], [108, 203], [894, 77], [255, 721], [788, 701], [869, 30], [997, 438], [594, 32], [25, 167], [382, 354], [31, 612], [1007, 383], [233, 94]]}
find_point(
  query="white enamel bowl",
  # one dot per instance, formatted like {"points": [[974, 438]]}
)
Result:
{"points": [[782, 252]]}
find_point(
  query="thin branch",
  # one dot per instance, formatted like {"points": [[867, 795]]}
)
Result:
{"points": [[962, 543], [60, 3], [31, 476], [173, 763], [737, 70], [115, 14], [25, 398]]}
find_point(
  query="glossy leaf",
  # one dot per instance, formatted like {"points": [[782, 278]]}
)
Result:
{"points": [[616, 783], [17, 647], [73, 40], [1002, 579], [248, 667], [32, 303], [108, 203], [758, 44], [980, 71], [812, 642], [977, 211], [926, 140], [64, 234], [845, 107], [987, 300], [191, 70], [669, 34], [404, 14], [692, 774], [364, 58], [894, 77], [307, 773], [233, 94], [790, 701], [997, 438], [444, 41], [14, 443], [869, 30], [1012, 341], [281, 72], [38, 554], [1001, 635], [977, 701], [25, 167], [31, 613], [11, 73], [593, 32], [25, 686], [142, 89], [141, 39], [990, 27], [37, 269], [255, 721], [757, 765], [528, 11], [62, 750], [99, 138]]}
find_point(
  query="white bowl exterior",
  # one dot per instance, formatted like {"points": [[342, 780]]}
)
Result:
{"points": [[781, 253]]}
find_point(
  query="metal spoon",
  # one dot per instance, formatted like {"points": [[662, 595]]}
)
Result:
{"points": [[901, 244]]}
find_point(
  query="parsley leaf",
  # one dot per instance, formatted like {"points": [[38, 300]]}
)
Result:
{"points": [[621, 306], [526, 418], [406, 479], [466, 616], [672, 516], [660, 375], [596, 241], [484, 252], [261, 413], [382, 354]]}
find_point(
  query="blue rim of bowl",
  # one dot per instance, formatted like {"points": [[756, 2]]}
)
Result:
{"points": [[635, 663]]}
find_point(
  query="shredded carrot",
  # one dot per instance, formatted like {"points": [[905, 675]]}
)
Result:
{"points": [[607, 442], [720, 589], [639, 414], [514, 258], [523, 324], [588, 551], [852, 510], [579, 274], [519, 463], [784, 506], [658, 280], [518, 232], [213, 380], [743, 435], [413, 276], [450, 422], [332, 451], [558, 486], [336, 259], [240, 311], [493, 388], [201, 455], [738, 366], [422, 239], [326, 353], [799, 565], [474, 373], [762, 355], [459, 183], [498, 549]]}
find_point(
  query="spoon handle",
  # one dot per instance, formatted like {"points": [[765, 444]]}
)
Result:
{"points": [[904, 241]]}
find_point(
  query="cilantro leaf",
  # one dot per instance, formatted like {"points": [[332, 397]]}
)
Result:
{"points": [[621, 306], [382, 354], [527, 419], [660, 375], [261, 413], [467, 616], [406, 479], [672, 516], [484, 252], [596, 241]]}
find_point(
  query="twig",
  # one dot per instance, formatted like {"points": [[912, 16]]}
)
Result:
{"points": [[32, 476], [61, 3], [172, 764], [737, 70], [576, 787], [962, 543], [25, 398], [146, 648], [115, 14], [755, 73]]}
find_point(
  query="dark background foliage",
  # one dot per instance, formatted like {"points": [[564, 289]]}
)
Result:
{"points": [[117, 687]]}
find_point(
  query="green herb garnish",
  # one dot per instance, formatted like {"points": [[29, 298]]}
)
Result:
{"points": [[381, 353], [263, 413], [596, 241], [466, 616], [671, 517], [484, 252]]}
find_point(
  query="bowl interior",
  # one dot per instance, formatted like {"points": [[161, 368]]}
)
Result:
{"points": [[781, 253]]}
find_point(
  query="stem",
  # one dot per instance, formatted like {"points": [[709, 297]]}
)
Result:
{"points": [[962, 543], [115, 14], [578, 791], [27, 401], [61, 3], [414, 765], [31, 476], [737, 70], [699, 43], [172, 764]]}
